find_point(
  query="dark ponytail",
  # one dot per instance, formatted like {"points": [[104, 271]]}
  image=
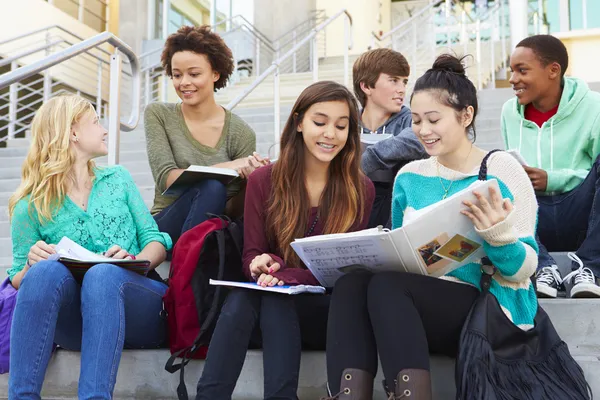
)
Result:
{"points": [[447, 77]]}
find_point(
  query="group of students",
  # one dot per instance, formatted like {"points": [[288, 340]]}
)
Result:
{"points": [[321, 183]]}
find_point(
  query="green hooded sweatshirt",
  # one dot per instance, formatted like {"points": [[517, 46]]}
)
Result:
{"points": [[566, 145]]}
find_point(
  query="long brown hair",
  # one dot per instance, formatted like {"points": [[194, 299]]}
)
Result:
{"points": [[342, 199]]}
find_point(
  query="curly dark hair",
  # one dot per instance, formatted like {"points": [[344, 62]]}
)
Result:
{"points": [[200, 39]]}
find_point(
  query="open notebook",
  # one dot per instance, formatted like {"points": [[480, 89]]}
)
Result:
{"points": [[298, 289], [196, 173], [78, 259], [434, 241]]}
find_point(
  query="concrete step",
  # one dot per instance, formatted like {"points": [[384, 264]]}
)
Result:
{"points": [[141, 373]]}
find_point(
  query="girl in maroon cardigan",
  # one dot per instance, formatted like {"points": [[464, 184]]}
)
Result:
{"points": [[316, 187]]}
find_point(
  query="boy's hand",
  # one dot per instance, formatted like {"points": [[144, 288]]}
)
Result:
{"points": [[538, 178]]}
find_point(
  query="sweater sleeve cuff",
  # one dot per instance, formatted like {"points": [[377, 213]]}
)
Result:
{"points": [[501, 234]]}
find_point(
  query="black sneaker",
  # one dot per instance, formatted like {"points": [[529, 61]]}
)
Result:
{"points": [[584, 281], [548, 281]]}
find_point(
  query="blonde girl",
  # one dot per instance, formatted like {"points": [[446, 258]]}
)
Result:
{"points": [[63, 193]]}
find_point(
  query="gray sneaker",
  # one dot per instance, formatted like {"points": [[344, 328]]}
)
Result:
{"points": [[584, 281]]}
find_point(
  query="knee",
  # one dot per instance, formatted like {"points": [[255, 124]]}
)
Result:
{"points": [[352, 283], [46, 273], [241, 307], [212, 187], [387, 282], [102, 279]]}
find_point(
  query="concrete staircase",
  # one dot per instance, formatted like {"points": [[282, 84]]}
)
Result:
{"points": [[141, 374]]}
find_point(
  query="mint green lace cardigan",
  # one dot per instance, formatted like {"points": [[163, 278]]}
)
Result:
{"points": [[116, 214]]}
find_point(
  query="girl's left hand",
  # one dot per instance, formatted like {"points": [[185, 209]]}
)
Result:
{"points": [[487, 213], [118, 253]]}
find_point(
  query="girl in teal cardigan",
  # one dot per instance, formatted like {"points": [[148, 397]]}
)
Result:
{"points": [[400, 318], [63, 194]]}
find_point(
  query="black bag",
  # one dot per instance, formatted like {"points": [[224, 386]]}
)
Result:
{"points": [[499, 361]]}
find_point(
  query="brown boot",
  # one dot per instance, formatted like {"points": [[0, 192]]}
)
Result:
{"points": [[412, 384], [355, 384]]}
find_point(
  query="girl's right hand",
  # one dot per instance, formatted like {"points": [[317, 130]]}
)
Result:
{"points": [[263, 264], [40, 251]]}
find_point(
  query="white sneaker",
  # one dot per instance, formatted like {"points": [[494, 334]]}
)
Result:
{"points": [[584, 281], [548, 280]]}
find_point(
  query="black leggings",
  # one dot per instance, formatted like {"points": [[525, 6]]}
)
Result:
{"points": [[403, 317]]}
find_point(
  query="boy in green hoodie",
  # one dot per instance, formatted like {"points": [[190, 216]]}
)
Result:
{"points": [[554, 123]]}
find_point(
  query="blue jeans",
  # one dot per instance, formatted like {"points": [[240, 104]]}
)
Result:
{"points": [[112, 309], [189, 210], [286, 324], [570, 222]]}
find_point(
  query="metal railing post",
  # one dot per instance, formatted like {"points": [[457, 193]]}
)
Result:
{"points": [[147, 88], [81, 10], [13, 93], [448, 9], [114, 118], [493, 55], [257, 58], [294, 56], [478, 52], [346, 45], [315, 59], [165, 18], [583, 12], [415, 61], [164, 88], [464, 33], [276, 111], [501, 17], [99, 91], [47, 76]]}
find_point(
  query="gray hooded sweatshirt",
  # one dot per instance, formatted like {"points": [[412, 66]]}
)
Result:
{"points": [[381, 160]]}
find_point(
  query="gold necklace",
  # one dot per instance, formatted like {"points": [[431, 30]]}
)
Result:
{"points": [[446, 190]]}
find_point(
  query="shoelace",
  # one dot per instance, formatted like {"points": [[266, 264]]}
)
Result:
{"points": [[547, 275], [334, 397], [394, 397], [582, 274]]}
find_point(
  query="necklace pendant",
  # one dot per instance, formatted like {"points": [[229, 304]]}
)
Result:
{"points": [[445, 195]]}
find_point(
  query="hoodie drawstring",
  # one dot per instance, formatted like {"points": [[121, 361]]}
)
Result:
{"points": [[552, 145], [521, 135]]}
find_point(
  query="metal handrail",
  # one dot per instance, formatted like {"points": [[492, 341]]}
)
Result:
{"points": [[407, 22], [274, 68], [120, 46]]}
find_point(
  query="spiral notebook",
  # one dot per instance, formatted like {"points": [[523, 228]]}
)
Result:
{"points": [[298, 289]]}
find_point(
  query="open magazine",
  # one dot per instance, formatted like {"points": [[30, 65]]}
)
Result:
{"points": [[78, 259], [196, 173], [434, 241]]}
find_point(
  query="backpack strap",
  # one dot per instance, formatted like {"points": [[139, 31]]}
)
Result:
{"points": [[186, 353], [483, 166]]}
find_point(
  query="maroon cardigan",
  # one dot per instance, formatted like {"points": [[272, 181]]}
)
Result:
{"points": [[258, 192]]}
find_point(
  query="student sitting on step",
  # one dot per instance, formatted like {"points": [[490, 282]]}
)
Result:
{"points": [[554, 122], [197, 131], [315, 187], [404, 317], [380, 78], [64, 194]]}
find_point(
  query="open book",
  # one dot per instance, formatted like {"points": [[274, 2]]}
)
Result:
{"points": [[276, 289], [433, 241], [196, 173], [78, 259]]}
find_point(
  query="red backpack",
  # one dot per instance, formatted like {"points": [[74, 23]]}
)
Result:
{"points": [[211, 250]]}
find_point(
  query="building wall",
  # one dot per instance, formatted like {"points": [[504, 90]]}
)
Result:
{"points": [[276, 17], [581, 46], [367, 15]]}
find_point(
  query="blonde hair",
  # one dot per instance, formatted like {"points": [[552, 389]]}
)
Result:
{"points": [[47, 167]]}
